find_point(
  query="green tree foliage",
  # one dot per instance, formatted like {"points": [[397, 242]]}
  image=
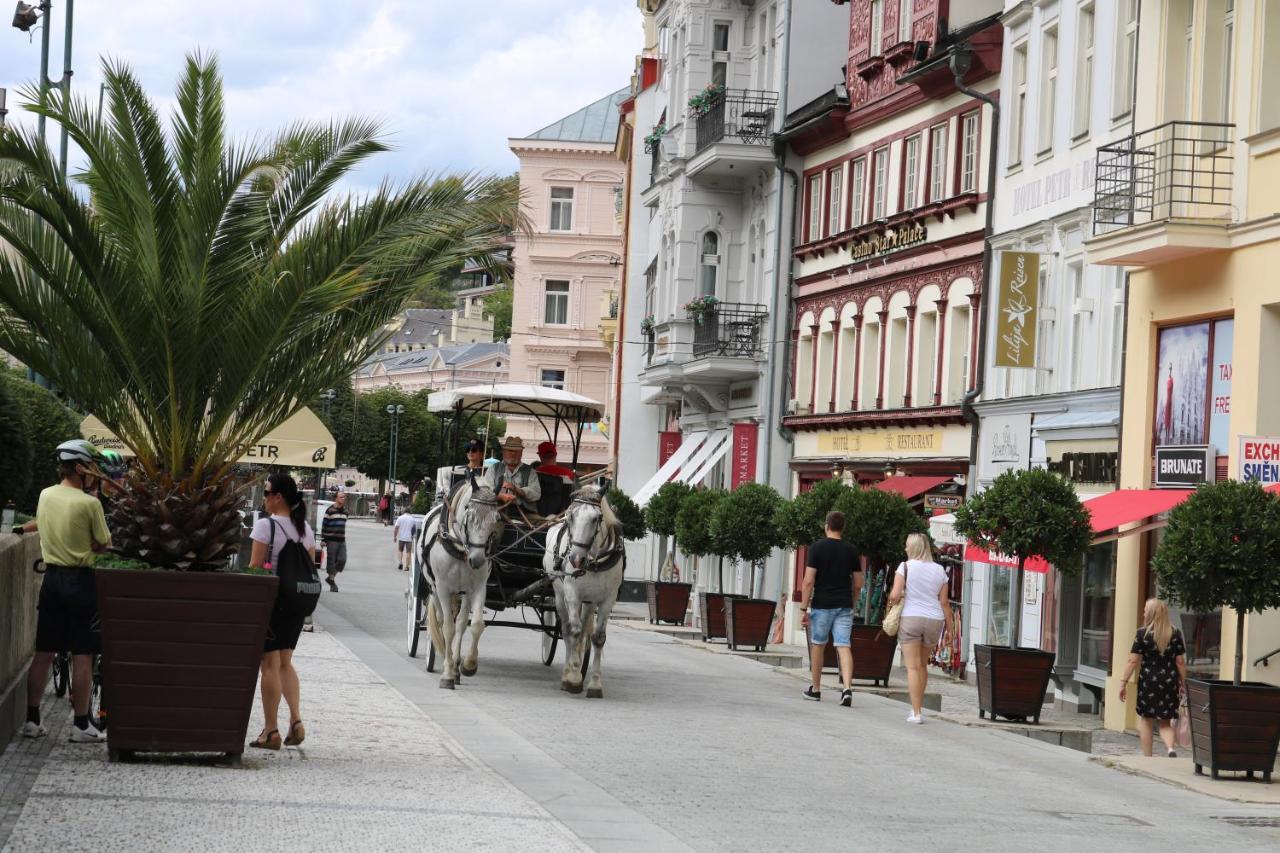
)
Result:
{"points": [[663, 508], [629, 515], [693, 521], [801, 520], [1026, 514], [15, 462], [499, 305], [742, 523], [342, 417], [1222, 546], [877, 523], [48, 423], [418, 447], [422, 501]]}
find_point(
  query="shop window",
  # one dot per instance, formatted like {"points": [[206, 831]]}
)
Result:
{"points": [[1201, 632], [999, 590], [1097, 611]]}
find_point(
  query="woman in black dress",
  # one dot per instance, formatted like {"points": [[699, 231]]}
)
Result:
{"points": [[1159, 651]]}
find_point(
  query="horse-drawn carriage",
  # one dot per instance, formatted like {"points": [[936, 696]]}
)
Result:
{"points": [[519, 591]]}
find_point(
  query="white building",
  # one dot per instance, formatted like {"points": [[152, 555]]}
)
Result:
{"points": [[708, 196], [1065, 89]]}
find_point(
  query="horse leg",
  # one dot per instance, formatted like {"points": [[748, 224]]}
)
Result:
{"points": [[595, 686], [448, 674], [571, 680], [470, 662], [460, 616]]}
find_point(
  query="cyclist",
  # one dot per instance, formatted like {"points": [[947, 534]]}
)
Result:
{"points": [[72, 529]]}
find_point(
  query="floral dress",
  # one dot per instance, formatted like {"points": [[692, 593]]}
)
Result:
{"points": [[1158, 678]]}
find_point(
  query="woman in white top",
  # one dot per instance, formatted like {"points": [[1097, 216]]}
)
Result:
{"points": [[926, 612]]}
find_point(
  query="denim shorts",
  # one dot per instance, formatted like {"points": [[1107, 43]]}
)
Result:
{"points": [[835, 625]]}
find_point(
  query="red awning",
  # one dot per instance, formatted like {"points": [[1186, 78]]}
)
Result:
{"points": [[1127, 505], [910, 487], [1274, 487], [975, 554]]}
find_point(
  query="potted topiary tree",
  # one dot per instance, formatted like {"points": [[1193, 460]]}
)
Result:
{"points": [[693, 535], [800, 522], [1023, 514], [742, 528], [877, 523], [194, 291], [668, 599], [1222, 547]]}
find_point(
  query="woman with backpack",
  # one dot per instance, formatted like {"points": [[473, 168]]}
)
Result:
{"points": [[286, 524]]}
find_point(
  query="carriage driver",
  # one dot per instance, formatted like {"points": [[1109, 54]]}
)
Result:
{"points": [[513, 480]]}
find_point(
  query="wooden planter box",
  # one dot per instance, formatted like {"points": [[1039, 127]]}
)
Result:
{"points": [[180, 656], [747, 621], [711, 605], [872, 650], [1234, 727], [668, 601], [1012, 682]]}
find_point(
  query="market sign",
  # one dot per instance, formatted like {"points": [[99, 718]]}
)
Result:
{"points": [[1017, 309], [743, 454], [947, 502], [891, 240], [1184, 466], [1259, 459]]}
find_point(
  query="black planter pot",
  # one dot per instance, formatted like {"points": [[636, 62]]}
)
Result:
{"points": [[668, 601], [1012, 682], [711, 605], [1234, 727], [747, 621]]}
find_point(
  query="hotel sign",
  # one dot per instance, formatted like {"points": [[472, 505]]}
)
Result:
{"points": [[891, 240], [1017, 309], [1184, 466], [912, 442]]}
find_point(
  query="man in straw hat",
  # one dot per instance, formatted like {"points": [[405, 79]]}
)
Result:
{"points": [[514, 481]]}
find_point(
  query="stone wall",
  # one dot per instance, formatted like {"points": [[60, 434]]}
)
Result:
{"points": [[19, 588]]}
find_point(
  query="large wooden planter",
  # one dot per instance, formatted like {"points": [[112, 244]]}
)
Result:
{"points": [[872, 650], [711, 605], [180, 656], [668, 601], [1012, 682], [1234, 727], [747, 621]]}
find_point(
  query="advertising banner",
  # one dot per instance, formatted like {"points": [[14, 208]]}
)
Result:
{"points": [[1017, 309], [668, 444], [743, 454], [1259, 459]]}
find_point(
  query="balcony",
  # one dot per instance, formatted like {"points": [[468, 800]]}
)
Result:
{"points": [[1163, 194], [734, 134], [726, 345]]}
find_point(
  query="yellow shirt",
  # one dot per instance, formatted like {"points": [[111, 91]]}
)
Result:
{"points": [[70, 522]]}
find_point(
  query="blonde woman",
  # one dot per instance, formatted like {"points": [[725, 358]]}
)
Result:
{"points": [[1159, 650], [925, 613]]}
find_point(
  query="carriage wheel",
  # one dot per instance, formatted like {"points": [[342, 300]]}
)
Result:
{"points": [[413, 613], [550, 635]]}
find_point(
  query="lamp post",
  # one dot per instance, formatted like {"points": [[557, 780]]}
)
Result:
{"points": [[326, 403], [395, 412]]}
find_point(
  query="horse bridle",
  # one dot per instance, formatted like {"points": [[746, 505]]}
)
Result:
{"points": [[592, 565], [447, 534]]}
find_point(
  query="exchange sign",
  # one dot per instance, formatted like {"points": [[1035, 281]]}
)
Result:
{"points": [[1259, 459]]}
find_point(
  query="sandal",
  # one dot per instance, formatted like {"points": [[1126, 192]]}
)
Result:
{"points": [[297, 734], [267, 740]]}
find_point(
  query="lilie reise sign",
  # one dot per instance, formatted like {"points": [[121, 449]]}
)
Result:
{"points": [[1018, 303]]}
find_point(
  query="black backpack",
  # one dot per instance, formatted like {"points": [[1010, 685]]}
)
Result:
{"points": [[299, 590]]}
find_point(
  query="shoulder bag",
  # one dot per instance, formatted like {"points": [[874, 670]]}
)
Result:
{"points": [[893, 616]]}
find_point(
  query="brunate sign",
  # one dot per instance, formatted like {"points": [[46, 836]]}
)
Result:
{"points": [[1184, 466], [1259, 459], [744, 454], [1017, 309]]}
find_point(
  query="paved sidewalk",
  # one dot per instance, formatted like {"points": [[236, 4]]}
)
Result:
{"points": [[375, 773]]}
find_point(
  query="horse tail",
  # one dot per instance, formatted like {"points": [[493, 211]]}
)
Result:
{"points": [[433, 625]]}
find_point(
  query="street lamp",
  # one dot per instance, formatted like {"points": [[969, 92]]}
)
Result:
{"points": [[326, 402], [395, 412]]}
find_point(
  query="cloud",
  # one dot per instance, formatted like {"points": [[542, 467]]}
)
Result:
{"points": [[450, 79]]}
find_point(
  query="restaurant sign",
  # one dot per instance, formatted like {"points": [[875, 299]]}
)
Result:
{"points": [[889, 241], [947, 502], [1184, 466], [1017, 309]]}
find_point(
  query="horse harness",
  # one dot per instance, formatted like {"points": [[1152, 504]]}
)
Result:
{"points": [[601, 563]]}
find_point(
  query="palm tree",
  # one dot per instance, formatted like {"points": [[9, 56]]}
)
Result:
{"points": [[193, 291]]}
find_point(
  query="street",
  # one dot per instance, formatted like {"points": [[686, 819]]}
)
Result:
{"points": [[691, 750]]}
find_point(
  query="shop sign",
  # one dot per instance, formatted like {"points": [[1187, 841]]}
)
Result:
{"points": [[1086, 467], [1017, 309], [891, 240], [744, 454], [668, 444], [1184, 466], [947, 502], [880, 442], [1259, 459]]}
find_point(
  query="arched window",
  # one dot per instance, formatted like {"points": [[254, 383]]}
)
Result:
{"points": [[709, 270]]}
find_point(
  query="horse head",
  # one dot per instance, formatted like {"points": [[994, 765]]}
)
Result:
{"points": [[478, 524], [585, 523]]}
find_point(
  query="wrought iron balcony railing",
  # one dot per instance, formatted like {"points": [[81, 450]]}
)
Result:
{"points": [[733, 329], [1178, 170], [738, 115]]}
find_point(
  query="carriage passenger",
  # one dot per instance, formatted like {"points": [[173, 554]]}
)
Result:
{"points": [[514, 482]]}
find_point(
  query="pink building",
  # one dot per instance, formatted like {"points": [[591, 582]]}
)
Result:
{"points": [[567, 270]]}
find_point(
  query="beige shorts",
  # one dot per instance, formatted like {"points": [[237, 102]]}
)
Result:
{"points": [[918, 629]]}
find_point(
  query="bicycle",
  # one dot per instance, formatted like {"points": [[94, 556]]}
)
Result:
{"points": [[61, 673]]}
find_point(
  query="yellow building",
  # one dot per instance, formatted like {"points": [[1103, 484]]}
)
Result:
{"points": [[1189, 203]]}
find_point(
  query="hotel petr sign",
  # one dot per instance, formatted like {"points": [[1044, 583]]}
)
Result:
{"points": [[891, 240], [882, 442]]}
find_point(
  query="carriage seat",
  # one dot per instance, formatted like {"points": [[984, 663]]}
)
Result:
{"points": [[556, 494]]}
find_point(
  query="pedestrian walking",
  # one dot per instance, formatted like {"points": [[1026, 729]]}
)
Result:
{"points": [[384, 509], [1160, 656], [287, 523], [402, 535], [334, 533], [832, 581], [926, 612]]}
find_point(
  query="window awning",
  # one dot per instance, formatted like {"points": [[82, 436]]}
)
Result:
{"points": [[716, 446], [910, 486], [688, 445]]}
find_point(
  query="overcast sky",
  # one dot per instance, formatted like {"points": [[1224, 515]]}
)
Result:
{"points": [[451, 79]]}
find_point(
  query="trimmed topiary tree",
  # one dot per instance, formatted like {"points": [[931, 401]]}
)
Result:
{"points": [[1222, 547], [877, 523], [1028, 514], [801, 520], [742, 526], [627, 513], [661, 511], [693, 522]]}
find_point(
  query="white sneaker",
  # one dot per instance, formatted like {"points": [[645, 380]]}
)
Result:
{"points": [[89, 735], [915, 719], [33, 730]]}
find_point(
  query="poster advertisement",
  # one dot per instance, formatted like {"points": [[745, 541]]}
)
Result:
{"points": [[1182, 383], [1017, 311], [1220, 386]]}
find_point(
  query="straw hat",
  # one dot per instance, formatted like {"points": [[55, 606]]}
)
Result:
{"points": [[513, 442]]}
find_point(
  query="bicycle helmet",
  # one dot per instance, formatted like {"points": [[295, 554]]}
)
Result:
{"points": [[112, 463], [78, 450]]}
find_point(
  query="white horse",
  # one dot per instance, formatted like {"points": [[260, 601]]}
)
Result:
{"points": [[585, 560], [454, 548]]}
